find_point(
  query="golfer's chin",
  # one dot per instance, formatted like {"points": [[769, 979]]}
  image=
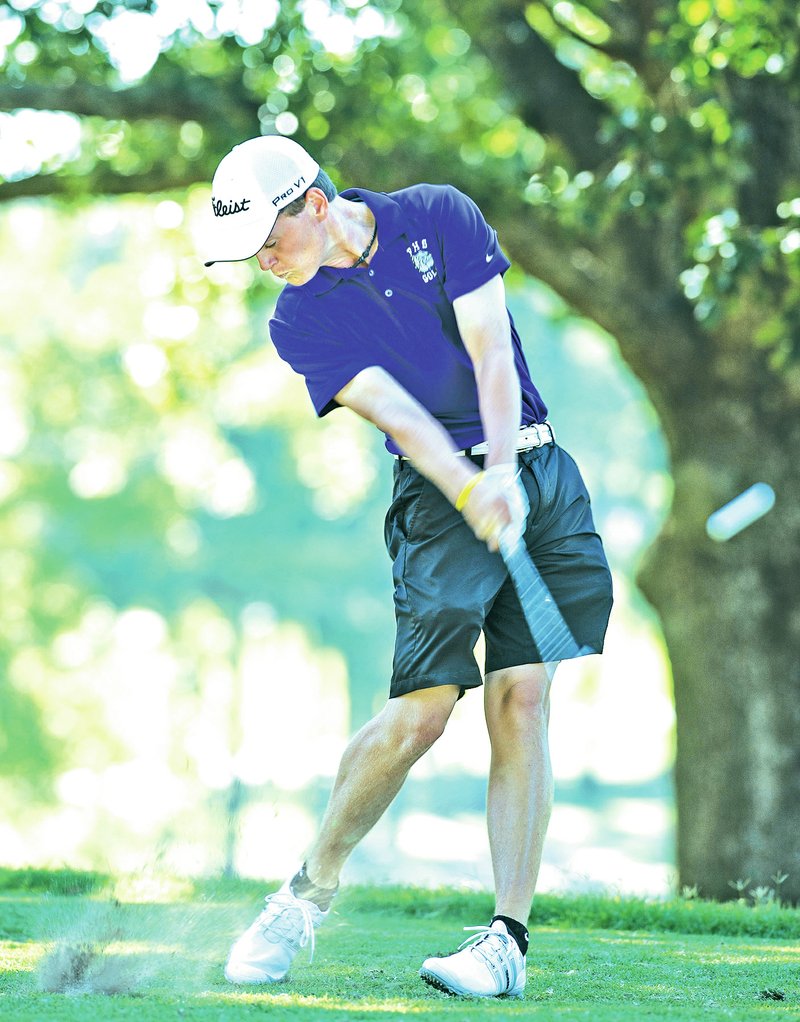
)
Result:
{"points": [[294, 277]]}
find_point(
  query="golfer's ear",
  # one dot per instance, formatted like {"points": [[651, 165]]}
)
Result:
{"points": [[317, 203]]}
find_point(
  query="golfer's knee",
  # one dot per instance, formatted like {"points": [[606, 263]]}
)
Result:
{"points": [[526, 714], [426, 731], [420, 737], [522, 695], [421, 719]]}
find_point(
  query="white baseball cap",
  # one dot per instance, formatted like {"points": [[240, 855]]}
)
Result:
{"points": [[251, 186]]}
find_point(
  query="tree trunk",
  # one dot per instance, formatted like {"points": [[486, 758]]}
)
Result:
{"points": [[730, 611], [731, 618]]}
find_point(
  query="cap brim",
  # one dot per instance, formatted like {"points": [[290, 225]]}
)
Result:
{"points": [[233, 243]]}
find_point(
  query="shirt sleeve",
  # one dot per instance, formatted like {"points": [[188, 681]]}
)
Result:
{"points": [[470, 251], [320, 355]]}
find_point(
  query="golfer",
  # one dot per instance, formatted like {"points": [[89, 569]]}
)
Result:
{"points": [[395, 308]]}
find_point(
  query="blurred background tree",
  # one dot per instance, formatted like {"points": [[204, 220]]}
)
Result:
{"points": [[642, 160]]}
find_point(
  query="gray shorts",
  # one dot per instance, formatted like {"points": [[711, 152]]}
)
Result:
{"points": [[448, 586]]}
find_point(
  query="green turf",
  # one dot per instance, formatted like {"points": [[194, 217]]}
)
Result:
{"points": [[593, 958]]}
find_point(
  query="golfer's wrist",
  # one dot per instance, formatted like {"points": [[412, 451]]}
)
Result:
{"points": [[466, 491], [502, 470]]}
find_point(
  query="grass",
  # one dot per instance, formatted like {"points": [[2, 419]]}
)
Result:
{"points": [[593, 958]]}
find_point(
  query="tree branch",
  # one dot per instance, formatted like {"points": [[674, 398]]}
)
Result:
{"points": [[628, 32], [774, 150], [650, 318], [161, 95], [104, 181], [549, 95]]}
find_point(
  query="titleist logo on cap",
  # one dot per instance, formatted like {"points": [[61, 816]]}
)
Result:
{"points": [[222, 208]]}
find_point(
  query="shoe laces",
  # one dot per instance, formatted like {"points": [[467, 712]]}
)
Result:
{"points": [[480, 937], [284, 904]]}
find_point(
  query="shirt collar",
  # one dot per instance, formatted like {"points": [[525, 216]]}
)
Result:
{"points": [[391, 225]]}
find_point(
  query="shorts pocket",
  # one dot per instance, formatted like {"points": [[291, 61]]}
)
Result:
{"points": [[402, 512]]}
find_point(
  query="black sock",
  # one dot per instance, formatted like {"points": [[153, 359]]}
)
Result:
{"points": [[517, 931], [303, 886]]}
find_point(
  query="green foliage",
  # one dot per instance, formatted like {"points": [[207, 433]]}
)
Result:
{"points": [[587, 911], [693, 100], [176, 484], [761, 918]]}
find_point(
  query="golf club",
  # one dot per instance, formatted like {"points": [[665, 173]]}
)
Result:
{"points": [[547, 626]]}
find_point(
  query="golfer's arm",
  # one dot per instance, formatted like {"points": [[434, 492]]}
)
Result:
{"points": [[378, 397], [484, 326]]}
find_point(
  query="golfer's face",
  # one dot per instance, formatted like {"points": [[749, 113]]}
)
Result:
{"points": [[290, 252]]}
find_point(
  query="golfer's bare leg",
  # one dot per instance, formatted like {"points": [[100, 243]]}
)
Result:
{"points": [[372, 771], [520, 796]]}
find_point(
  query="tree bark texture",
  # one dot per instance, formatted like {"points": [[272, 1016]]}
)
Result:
{"points": [[731, 618]]}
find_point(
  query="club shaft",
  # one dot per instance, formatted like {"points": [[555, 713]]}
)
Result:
{"points": [[547, 626]]}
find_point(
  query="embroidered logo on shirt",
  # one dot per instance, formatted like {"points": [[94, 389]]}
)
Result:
{"points": [[422, 260]]}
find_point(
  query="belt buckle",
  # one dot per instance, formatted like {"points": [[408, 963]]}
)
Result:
{"points": [[526, 441]]}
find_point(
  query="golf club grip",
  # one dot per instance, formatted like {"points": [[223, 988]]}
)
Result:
{"points": [[547, 626]]}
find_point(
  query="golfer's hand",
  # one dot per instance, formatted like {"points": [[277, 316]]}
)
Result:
{"points": [[497, 503]]}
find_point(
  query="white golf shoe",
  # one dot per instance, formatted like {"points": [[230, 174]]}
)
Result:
{"points": [[488, 964], [265, 951]]}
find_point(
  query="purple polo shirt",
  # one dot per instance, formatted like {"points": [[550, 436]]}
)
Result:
{"points": [[434, 246]]}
